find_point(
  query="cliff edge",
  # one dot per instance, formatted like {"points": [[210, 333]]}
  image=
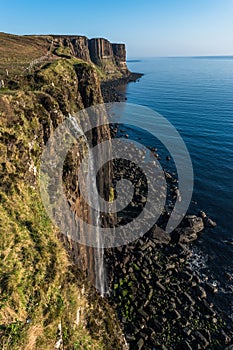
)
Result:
{"points": [[46, 299], [20, 54]]}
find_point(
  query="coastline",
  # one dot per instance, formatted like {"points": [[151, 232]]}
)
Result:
{"points": [[160, 298], [162, 301], [112, 89]]}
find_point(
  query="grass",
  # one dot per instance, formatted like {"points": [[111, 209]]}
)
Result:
{"points": [[38, 282], [40, 287], [17, 52]]}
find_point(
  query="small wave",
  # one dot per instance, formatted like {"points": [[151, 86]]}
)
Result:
{"points": [[198, 260]]}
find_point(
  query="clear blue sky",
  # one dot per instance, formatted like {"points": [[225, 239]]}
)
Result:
{"points": [[148, 27]]}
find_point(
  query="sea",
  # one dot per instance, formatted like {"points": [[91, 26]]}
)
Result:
{"points": [[195, 94]]}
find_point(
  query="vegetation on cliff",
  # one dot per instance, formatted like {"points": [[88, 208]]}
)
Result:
{"points": [[44, 297]]}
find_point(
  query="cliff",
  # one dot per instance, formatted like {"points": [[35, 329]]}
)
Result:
{"points": [[111, 57], [119, 52], [77, 45], [46, 299], [21, 53]]}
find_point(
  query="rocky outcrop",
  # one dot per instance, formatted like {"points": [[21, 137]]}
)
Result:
{"points": [[110, 57], [78, 45], [119, 52], [161, 302], [100, 50], [39, 49]]}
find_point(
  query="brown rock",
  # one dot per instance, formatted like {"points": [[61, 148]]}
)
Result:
{"points": [[159, 236], [194, 222]]}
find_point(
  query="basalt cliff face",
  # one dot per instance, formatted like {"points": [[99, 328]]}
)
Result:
{"points": [[78, 45], [107, 55], [110, 57], [47, 300]]}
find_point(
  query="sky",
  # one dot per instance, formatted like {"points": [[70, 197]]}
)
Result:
{"points": [[149, 28]]}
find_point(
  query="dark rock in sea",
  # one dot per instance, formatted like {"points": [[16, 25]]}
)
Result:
{"points": [[130, 338], [168, 176], [211, 287], [194, 222], [170, 267], [187, 298], [112, 89], [157, 326], [184, 235], [224, 337], [202, 214], [143, 314], [188, 230], [140, 344], [200, 291], [160, 286], [201, 339], [159, 236], [185, 345], [186, 276], [209, 223]]}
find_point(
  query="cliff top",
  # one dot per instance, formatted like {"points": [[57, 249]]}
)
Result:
{"points": [[20, 53], [17, 52]]}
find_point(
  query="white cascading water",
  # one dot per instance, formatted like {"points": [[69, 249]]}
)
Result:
{"points": [[91, 187]]}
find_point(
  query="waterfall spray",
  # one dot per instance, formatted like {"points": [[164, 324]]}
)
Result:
{"points": [[100, 278]]}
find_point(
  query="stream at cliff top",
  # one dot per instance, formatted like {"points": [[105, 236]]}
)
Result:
{"points": [[100, 278]]}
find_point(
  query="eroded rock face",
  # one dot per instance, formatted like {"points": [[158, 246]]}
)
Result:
{"points": [[100, 49], [111, 57], [78, 45], [62, 88], [119, 52], [29, 116], [194, 222], [188, 232], [160, 236]]}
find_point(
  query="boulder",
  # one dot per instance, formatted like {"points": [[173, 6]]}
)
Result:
{"points": [[140, 344], [201, 339], [202, 214], [159, 236], [212, 287], [194, 222], [185, 235], [209, 223]]}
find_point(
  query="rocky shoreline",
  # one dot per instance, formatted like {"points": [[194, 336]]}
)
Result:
{"points": [[111, 89], [161, 301]]}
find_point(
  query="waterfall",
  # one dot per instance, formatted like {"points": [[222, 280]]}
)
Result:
{"points": [[92, 194]]}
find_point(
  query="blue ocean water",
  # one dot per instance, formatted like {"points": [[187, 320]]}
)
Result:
{"points": [[196, 95]]}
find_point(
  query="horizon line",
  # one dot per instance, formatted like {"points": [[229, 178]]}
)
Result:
{"points": [[180, 56]]}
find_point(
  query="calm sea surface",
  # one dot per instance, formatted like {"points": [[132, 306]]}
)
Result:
{"points": [[196, 96]]}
